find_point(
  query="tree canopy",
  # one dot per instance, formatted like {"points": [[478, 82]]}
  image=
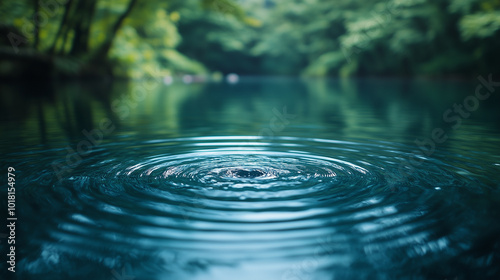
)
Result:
{"points": [[254, 37]]}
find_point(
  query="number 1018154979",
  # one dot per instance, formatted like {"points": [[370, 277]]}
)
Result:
{"points": [[11, 191]]}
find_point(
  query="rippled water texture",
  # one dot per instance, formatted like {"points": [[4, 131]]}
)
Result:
{"points": [[240, 207], [275, 179]]}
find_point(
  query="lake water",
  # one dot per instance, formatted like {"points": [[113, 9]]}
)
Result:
{"points": [[268, 178]]}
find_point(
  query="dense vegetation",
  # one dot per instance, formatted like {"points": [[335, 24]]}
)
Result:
{"points": [[133, 38]]}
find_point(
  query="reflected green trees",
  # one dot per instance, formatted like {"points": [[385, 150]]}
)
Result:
{"points": [[380, 109], [128, 38]]}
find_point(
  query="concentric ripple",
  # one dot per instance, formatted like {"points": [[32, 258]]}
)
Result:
{"points": [[234, 200]]}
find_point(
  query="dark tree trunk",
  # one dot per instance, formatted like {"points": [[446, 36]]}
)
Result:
{"points": [[62, 31], [37, 24], [85, 12], [106, 46]]}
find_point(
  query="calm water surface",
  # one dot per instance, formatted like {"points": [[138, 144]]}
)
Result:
{"points": [[269, 178]]}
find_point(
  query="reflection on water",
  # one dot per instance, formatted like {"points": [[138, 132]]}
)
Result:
{"points": [[395, 110], [267, 178]]}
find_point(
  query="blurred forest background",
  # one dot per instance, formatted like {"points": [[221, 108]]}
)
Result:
{"points": [[134, 38]]}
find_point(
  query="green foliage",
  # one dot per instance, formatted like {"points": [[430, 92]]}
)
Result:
{"points": [[134, 35], [147, 41], [325, 64], [226, 7], [394, 37], [289, 37], [481, 25], [222, 41]]}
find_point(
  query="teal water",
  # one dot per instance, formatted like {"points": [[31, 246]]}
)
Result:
{"points": [[268, 178]]}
